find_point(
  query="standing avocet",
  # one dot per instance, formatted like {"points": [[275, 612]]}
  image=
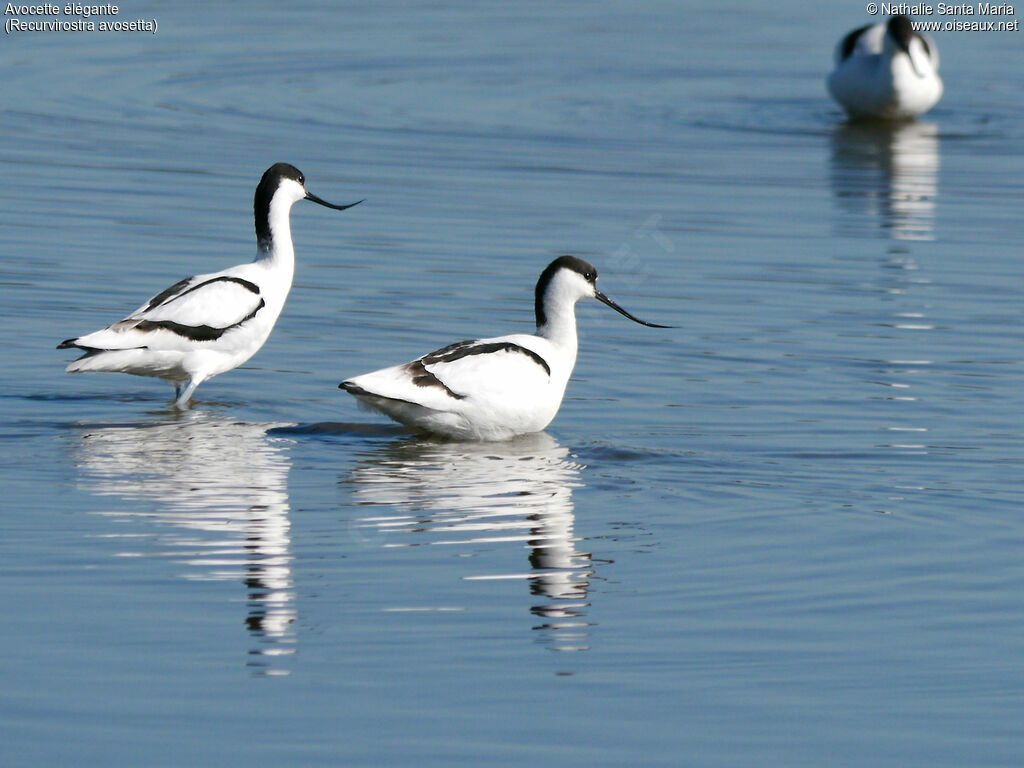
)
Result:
{"points": [[209, 324], [886, 71], [493, 389]]}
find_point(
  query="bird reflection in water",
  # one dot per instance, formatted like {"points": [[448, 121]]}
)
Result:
{"points": [[220, 487], [889, 172], [479, 494]]}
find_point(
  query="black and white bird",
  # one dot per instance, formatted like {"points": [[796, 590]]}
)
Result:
{"points": [[493, 389], [208, 324], [886, 71]]}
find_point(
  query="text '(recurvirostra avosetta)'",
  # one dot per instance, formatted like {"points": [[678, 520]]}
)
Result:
{"points": [[71, 17]]}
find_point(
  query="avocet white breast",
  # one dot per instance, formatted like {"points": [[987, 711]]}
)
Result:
{"points": [[209, 324], [886, 71], [493, 389]]}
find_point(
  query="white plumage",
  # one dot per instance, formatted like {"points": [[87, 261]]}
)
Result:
{"points": [[208, 324], [496, 388], [886, 71]]}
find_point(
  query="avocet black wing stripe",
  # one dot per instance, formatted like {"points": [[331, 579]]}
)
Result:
{"points": [[850, 42], [441, 354], [463, 349], [196, 332], [163, 296], [180, 289], [421, 377]]}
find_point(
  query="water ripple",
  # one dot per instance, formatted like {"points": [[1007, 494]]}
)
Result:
{"points": [[482, 498], [214, 494]]}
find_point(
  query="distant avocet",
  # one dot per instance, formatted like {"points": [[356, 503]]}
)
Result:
{"points": [[493, 389], [208, 324], [886, 71]]}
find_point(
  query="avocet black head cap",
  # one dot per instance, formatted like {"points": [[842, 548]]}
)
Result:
{"points": [[588, 272], [278, 174], [901, 30]]}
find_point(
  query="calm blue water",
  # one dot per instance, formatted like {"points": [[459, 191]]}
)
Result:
{"points": [[787, 533]]}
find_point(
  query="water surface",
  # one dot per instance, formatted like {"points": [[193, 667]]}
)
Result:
{"points": [[785, 533]]}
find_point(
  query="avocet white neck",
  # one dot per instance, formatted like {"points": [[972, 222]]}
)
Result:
{"points": [[555, 307], [273, 226]]}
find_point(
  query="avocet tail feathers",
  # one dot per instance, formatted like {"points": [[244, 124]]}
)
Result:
{"points": [[139, 361]]}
